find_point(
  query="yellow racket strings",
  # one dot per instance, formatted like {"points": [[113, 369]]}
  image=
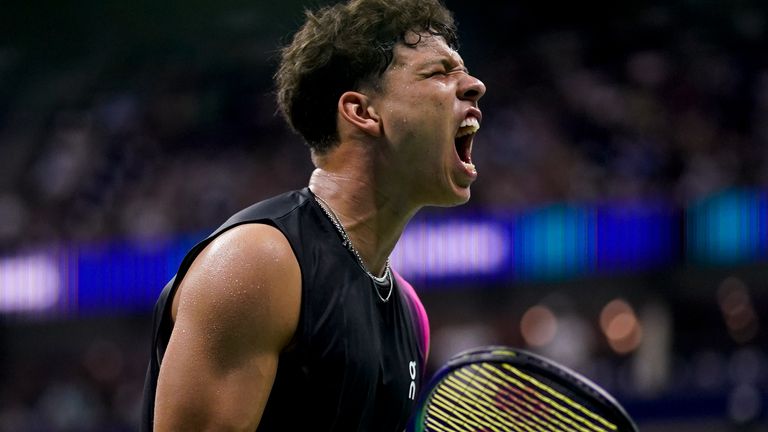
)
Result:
{"points": [[486, 397]]}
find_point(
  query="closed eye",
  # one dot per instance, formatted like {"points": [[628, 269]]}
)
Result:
{"points": [[437, 73], [445, 72]]}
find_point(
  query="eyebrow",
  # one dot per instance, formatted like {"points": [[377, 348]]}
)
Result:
{"points": [[448, 62]]}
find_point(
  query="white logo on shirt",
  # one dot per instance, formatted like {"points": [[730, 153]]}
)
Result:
{"points": [[412, 372]]}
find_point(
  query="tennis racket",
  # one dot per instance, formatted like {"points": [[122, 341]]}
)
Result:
{"points": [[504, 389]]}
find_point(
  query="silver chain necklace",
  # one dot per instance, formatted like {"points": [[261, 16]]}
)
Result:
{"points": [[378, 281]]}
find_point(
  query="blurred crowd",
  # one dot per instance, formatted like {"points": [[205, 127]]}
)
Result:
{"points": [[144, 142], [74, 376]]}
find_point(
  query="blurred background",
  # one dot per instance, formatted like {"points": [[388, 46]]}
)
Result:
{"points": [[619, 224]]}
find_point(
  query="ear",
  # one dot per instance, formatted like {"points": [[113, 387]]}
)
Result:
{"points": [[355, 108]]}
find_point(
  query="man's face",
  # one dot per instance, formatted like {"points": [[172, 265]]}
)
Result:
{"points": [[429, 110]]}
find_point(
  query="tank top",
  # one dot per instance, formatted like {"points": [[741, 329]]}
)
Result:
{"points": [[356, 363]]}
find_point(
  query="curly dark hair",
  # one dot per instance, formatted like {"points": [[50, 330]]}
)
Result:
{"points": [[344, 47]]}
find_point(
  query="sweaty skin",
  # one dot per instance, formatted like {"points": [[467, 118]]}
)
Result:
{"points": [[397, 153], [237, 308], [435, 93]]}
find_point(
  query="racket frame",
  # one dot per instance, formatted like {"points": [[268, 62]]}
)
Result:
{"points": [[531, 363]]}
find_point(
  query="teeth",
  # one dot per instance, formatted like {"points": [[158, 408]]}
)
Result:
{"points": [[470, 121], [468, 126]]}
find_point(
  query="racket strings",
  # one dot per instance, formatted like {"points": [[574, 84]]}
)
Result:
{"points": [[535, 403], [509, 417], [484, 413], [519, 401], [542, 401], [505, 420], [486, 398], [469, 416], [560, 396]]}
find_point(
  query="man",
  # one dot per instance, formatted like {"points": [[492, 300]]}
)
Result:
{"points": [[288, 317]]}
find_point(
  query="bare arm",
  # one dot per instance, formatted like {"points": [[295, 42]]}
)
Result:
{"points": [[235, 310]]}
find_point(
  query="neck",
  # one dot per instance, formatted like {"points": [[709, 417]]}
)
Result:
{"points": [[372, 213]]}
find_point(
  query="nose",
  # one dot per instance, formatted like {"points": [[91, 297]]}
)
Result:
{"points": [[471, 89]]}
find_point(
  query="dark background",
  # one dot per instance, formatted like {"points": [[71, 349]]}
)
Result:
{"points": [[139, 121]]}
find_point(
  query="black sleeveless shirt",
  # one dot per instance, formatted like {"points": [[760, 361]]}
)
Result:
{"points": [[356, 363]]}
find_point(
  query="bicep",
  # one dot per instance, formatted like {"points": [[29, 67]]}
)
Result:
{"points": [[237, 309]]}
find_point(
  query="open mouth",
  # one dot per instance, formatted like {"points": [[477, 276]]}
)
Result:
{"points": [[463, 141]]}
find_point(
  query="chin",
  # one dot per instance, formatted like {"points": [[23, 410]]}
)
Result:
{"points": [[462, 199], [456, 197]]}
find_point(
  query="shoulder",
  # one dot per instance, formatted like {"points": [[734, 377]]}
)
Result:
{"points": [[272, 208], [235, 310], [246, 278]]}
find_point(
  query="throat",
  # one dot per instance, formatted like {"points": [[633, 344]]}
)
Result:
{"points": [[463, 146]]}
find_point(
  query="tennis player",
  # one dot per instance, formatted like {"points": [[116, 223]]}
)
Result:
{"points": [[289, 317]]}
